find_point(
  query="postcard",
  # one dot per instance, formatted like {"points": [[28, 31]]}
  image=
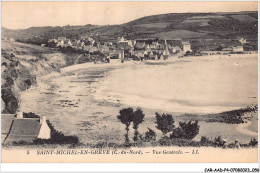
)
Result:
{"points": [[129, 82]]}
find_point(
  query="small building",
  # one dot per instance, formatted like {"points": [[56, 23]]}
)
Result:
{"points": [[238, 48], [60, 43], [186, 47], [154, 44], [103, 49], [61, 38], [11, 39], [122, 43], [138, 53], [15, 129], [67, 42], [175, 50], [140, 46]]}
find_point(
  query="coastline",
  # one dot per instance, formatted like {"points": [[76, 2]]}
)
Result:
{"points": [[98, 121]]}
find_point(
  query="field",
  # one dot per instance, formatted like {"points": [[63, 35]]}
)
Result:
{"points": [[244, 18], [154, 25], [178, 34]]}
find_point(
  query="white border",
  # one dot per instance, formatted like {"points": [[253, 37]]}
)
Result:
{"points": [[127, 167]]}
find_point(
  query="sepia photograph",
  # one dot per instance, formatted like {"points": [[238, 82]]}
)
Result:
{"points": [[129, 82]]}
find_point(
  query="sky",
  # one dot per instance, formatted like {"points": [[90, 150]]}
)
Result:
{"points": [[21, 15]]}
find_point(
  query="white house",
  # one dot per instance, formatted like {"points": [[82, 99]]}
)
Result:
{"points": [[186, 47], [238, 49], [18, 128]]}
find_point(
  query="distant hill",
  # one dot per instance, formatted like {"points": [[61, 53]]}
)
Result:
{"points": [[165, 26]]}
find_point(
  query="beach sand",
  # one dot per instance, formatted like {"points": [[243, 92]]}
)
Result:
{"points": [[84, 99]]}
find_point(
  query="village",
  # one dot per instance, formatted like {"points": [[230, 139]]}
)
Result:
{"points": [[140, 49]]}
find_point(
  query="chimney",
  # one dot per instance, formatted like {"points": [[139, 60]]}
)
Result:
{"points": [[42, 119], [19, 115]]}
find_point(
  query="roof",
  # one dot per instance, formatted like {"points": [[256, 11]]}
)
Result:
{"points": [[186, 43], [7, 120], [176, 48], [26, 127], [16, 138]]}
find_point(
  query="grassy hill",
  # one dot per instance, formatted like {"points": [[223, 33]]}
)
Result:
{"points": [[164, 26]]}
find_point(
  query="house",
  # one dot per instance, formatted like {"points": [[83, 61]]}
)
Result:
{"points": [[53, 40], [122, 43], [153, 56], [154, 44], [131, 43], [61, 38], [67, 42], [11, 39], [81, 44], [238, 48], [89, 39], [75, 42], [93, 49], [4, 38], [175, 50], [140, 46], [103, 49], [15, 129], [227, 49], [186, 47], [60, 43], [138, 53]]}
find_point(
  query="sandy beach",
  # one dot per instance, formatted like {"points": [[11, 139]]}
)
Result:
{"points": [[85, 99]]}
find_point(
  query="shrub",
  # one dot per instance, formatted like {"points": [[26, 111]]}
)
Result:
{"points": [[186, 130], [253, 142], [30, 115], [218, 141], [165, 141], [150, 135], [164, 122]]}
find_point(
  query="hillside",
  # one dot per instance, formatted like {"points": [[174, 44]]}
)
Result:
{"points": [[21, 66], [164, 26]]}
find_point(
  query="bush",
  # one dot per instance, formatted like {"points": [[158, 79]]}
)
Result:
{"points": [[150, 135], [30, 115], [253, 142], [164, 122], [165, 141], [186, 130], [218, 141]]}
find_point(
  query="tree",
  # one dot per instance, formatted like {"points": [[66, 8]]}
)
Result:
{"points": [[138, 118], [186, 130], [126, 117], [164, 122]]}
